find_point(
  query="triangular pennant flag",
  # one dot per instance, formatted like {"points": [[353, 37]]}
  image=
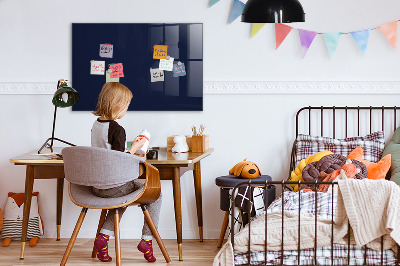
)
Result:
{"points": [[361, 37], [306, 39], [390, 32], [237, 9], [256, 27], [332, 41], [281, 31], [213, 2]]}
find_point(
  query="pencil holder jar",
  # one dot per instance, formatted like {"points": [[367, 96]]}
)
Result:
{"points": [[200, 143]]}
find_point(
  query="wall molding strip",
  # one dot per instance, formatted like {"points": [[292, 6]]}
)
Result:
{"points": [[302, 87], [246, 87]]}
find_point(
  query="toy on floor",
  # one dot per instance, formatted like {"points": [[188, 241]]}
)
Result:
{"points": [[13, 215], [245, 169]]}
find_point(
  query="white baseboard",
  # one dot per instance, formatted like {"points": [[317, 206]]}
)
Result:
{"points": [[246, 87]]}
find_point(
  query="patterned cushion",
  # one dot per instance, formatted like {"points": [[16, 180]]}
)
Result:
{"points": [[372, 144]]}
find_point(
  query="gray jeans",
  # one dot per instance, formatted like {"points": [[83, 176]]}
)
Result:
{"points": [[154, 208]]}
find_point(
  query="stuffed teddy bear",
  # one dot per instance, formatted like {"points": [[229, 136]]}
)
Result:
{"points": [[180, 144], [245, 169], [13, 215]]}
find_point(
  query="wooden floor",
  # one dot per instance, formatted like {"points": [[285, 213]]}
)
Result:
{"points": [[50, 252]]}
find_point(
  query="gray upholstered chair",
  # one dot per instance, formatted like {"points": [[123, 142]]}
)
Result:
{"points": [[85, 167]]}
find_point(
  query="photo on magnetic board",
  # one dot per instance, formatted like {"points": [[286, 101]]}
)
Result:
{"points": [[134, 47]]}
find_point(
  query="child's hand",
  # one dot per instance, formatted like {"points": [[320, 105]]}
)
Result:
{"points": [[143, 155], [137, 144]]}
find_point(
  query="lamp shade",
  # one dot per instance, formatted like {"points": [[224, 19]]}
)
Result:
{"points": [[65, 96], [273, 11]]}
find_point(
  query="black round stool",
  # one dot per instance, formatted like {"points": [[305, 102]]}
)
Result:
{"points": [[228, 182]]}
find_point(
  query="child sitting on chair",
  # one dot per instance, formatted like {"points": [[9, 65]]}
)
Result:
{"points": [[113, 103]]}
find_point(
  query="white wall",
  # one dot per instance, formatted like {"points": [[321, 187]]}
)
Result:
{"points": [[36, 44]]}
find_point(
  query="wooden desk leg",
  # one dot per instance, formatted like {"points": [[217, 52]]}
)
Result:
{"points": [[60, 190], [199, 204], [27, 206], [176, 183]]}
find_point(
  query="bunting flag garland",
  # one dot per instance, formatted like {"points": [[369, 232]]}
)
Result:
{"points": [[332, 41], [389, 30], [213, 2], [281, 31], [306, 39], [361, 37], [237, 9], [256, 27]]}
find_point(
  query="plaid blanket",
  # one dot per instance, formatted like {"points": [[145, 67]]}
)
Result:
{"points": [[324, 257], [323, 205]]}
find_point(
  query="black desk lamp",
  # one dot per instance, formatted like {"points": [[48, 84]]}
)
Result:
{"points": [[64, 97], [273, 11]]}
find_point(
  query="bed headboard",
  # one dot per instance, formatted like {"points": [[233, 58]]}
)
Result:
{"points": [[344, 121], [377, 115]]}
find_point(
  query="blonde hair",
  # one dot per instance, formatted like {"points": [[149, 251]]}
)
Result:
{"points": [[113, 97]]}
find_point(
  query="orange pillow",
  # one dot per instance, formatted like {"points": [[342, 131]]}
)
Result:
{"points": [[375, 170]]}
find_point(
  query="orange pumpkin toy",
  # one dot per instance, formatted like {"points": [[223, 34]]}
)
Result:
{"points": [[245, 169]]}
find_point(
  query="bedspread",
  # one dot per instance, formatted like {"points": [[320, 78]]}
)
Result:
{"points": [[372, 206], [291, 203]]}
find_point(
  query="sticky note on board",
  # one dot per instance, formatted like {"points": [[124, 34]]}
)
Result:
{"points": [[179, 70], [167, 64], [117, 70], [156, 75], [106, 50], [97, 67], [160, 51], [109, 79]]}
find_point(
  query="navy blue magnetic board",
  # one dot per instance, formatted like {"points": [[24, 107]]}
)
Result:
{"points": [[133, 47]]}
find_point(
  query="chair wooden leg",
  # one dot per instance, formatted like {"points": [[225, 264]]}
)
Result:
{"points": [[154, 230], [223, 229], [117, 238], [73, 237], [101, 222]]}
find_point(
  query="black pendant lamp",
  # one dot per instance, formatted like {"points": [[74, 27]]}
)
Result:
{"points": [[273, 11]]}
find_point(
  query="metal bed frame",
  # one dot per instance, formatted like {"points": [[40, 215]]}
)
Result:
{"points": [[283, 184]]}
